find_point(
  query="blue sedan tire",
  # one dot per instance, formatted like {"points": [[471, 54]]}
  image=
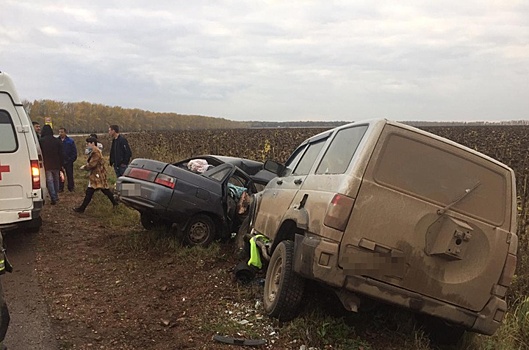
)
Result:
{"points": [[200, 231]]}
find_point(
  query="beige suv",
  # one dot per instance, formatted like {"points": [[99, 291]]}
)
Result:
{"points": [[383, 210]]}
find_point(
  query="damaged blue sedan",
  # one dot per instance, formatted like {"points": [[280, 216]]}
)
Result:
{"points": [[205, 196]]}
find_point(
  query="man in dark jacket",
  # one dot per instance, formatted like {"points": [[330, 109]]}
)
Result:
{"points": [[52, 154], [120, 152], [70, 156]]}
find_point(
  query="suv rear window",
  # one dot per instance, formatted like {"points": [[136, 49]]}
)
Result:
{"points": [[8, 140], [440, 176]]}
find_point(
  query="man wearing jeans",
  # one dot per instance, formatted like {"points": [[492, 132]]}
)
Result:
{"points": [[70, 156], [120, 152], [52, 154]]}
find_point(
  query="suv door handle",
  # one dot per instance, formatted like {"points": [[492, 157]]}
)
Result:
{"points": [[279, 182], [297, 181]]}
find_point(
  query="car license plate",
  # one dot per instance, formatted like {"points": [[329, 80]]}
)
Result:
{"points": [[131, 190]]}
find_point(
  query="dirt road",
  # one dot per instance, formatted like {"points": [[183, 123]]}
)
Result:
{"points": [[85, 282], [30, 326]]}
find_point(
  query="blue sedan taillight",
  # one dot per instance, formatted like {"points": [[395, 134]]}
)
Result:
{"points": [[141, 174], [165, 180]]}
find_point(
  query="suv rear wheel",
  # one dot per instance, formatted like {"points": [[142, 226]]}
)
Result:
{"points": [[283, 288]]}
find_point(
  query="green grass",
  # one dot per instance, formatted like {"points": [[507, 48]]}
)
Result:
{"points": [[318, 330], [513, 334]]}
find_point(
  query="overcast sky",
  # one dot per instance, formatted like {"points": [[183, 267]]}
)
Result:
{"points": [[275, 60]]}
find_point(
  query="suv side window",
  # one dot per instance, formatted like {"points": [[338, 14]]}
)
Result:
{"points": [[293, 160], [341, 151], [8, 141], [307, 160]]}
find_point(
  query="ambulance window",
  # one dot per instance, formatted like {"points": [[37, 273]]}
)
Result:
{"points": [[8, 141]]}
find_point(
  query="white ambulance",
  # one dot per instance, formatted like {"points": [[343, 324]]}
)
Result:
{"points": [[22, 179]]}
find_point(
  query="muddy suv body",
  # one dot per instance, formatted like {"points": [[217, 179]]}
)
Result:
{"points": [[384, 210]]}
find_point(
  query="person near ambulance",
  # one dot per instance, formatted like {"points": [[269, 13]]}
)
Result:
{"points": [[36, 126], [70, 156], [52, 154]]}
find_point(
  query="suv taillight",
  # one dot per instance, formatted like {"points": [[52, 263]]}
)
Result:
{"points": [[338, 212], [35, 174]]}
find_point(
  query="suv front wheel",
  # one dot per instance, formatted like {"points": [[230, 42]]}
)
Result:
{"points": [[283, 289]]}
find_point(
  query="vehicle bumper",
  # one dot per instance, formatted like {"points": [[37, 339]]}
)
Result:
{"points": [[486, 322], [317, 259], [143, 196], [11, 219]]}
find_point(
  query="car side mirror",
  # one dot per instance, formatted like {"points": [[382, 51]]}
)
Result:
{"points": [[274, 167]]}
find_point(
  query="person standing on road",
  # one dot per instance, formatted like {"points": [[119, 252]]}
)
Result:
{"points": [[120, 152], [52, 154], [97, 180], [70, 156]]}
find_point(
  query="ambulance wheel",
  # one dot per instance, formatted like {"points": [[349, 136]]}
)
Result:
{"points": [[283, 289]]}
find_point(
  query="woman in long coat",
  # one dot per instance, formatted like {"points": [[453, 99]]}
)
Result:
{"points": [[97, 180]]}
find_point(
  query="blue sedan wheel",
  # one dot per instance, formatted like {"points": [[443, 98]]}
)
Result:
{"points": [[200, 231]]}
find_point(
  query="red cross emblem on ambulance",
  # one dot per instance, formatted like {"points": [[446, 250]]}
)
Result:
{"points": [[4, 169]]}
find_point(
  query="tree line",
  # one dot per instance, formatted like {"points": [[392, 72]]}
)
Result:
{"points": [[85, 117]]}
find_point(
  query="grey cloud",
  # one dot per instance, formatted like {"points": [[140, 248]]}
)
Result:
{"points": [[275, 60]]}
